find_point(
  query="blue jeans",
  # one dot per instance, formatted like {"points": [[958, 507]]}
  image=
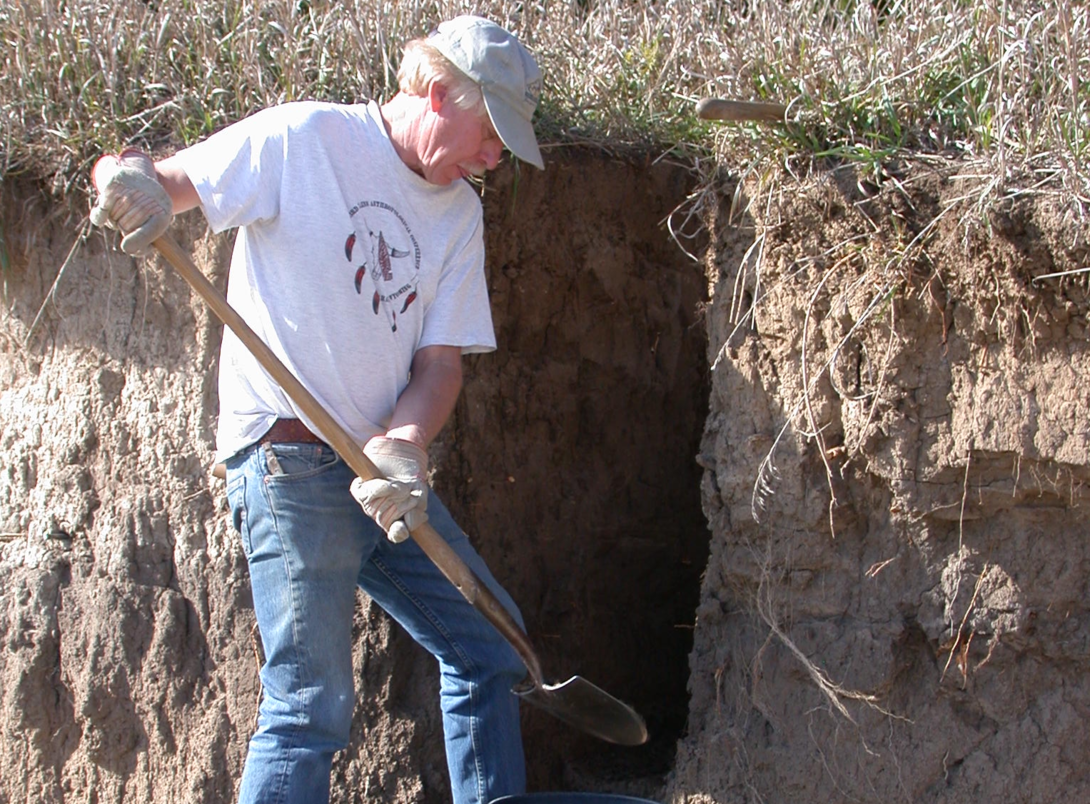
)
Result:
{"points": [[308, 545]]}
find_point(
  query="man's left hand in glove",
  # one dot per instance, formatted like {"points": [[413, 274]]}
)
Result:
{"points": [[399, 501]]}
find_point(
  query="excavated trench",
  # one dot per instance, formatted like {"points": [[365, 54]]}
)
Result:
{"points": [[573, 449], [130, 663]]}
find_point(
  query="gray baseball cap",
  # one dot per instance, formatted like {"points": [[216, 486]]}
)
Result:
{"points": [[506, 72]]}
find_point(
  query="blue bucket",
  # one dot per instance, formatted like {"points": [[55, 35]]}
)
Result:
{"points": [[571, 798]]}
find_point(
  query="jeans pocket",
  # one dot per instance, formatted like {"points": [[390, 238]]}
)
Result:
{"points": [[286, 462]]}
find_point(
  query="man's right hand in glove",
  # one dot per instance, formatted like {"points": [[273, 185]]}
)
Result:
{"points": [[131, 199], [399, 501]]}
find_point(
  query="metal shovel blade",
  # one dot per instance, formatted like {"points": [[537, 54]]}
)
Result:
{"points": [[588, 708]]}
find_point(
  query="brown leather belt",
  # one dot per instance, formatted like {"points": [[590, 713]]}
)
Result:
{"points": [[290, 430], [282, 431]]}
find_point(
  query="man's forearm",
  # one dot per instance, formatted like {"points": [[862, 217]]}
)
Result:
{"points": [[428, 400], [177, 184]]}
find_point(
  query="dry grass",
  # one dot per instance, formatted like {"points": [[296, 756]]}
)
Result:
{"points": [[1000, 80]]}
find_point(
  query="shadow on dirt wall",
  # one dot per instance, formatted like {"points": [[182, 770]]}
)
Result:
{"points": [[573, 448]]}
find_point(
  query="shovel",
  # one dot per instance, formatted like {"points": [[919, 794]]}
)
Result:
{"points": [[733, 111], [577, 702]]}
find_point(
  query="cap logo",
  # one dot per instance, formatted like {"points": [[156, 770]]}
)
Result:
{"points": [[533, 91]]}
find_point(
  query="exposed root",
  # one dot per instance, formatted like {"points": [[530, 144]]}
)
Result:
{"points": [[834, 693], [959, 646], [84, 231], [695, 208], [891, 276], [1043, 277], [763, 487], [815, 430]]}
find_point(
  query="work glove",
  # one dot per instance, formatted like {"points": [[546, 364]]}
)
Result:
{"points": [[131, 199], [399, 501]]}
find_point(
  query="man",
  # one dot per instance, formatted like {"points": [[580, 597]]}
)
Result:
{"points": [[360, 261]]}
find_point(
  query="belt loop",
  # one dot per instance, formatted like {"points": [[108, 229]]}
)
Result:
{"points": [[271, 460]]}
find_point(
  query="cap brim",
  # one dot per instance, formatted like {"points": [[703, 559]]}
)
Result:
{"points": [[515, 130]]}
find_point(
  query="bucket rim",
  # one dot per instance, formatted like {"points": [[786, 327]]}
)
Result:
{"points": [[563, 797]]}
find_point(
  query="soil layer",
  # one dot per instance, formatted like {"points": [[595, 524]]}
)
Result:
{"points": [[897, 456]]}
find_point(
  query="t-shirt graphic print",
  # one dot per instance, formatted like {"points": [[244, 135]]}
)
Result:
{"points": [[386, 259]]}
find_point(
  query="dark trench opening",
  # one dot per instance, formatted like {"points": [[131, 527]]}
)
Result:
{"points": [[572, 451]]}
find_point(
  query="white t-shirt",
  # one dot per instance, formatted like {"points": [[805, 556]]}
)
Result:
{"points": [[346, 263]]}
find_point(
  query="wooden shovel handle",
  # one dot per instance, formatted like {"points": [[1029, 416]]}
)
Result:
{"points": [[740, 111], [433, 545]]}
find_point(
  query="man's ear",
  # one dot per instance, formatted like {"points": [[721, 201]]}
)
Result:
{"points": [[437, 95]]}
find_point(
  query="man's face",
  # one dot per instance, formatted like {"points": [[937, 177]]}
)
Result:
{"points": [[455, 142]]}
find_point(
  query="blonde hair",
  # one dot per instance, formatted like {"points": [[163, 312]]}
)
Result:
{"points": [[422, 63]]}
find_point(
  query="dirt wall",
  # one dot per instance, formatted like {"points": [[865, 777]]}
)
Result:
{"points": [[897, 456], [871, 396]]}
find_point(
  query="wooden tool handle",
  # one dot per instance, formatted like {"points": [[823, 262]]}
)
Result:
{"points": [[433, 545], [740, 111]]}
